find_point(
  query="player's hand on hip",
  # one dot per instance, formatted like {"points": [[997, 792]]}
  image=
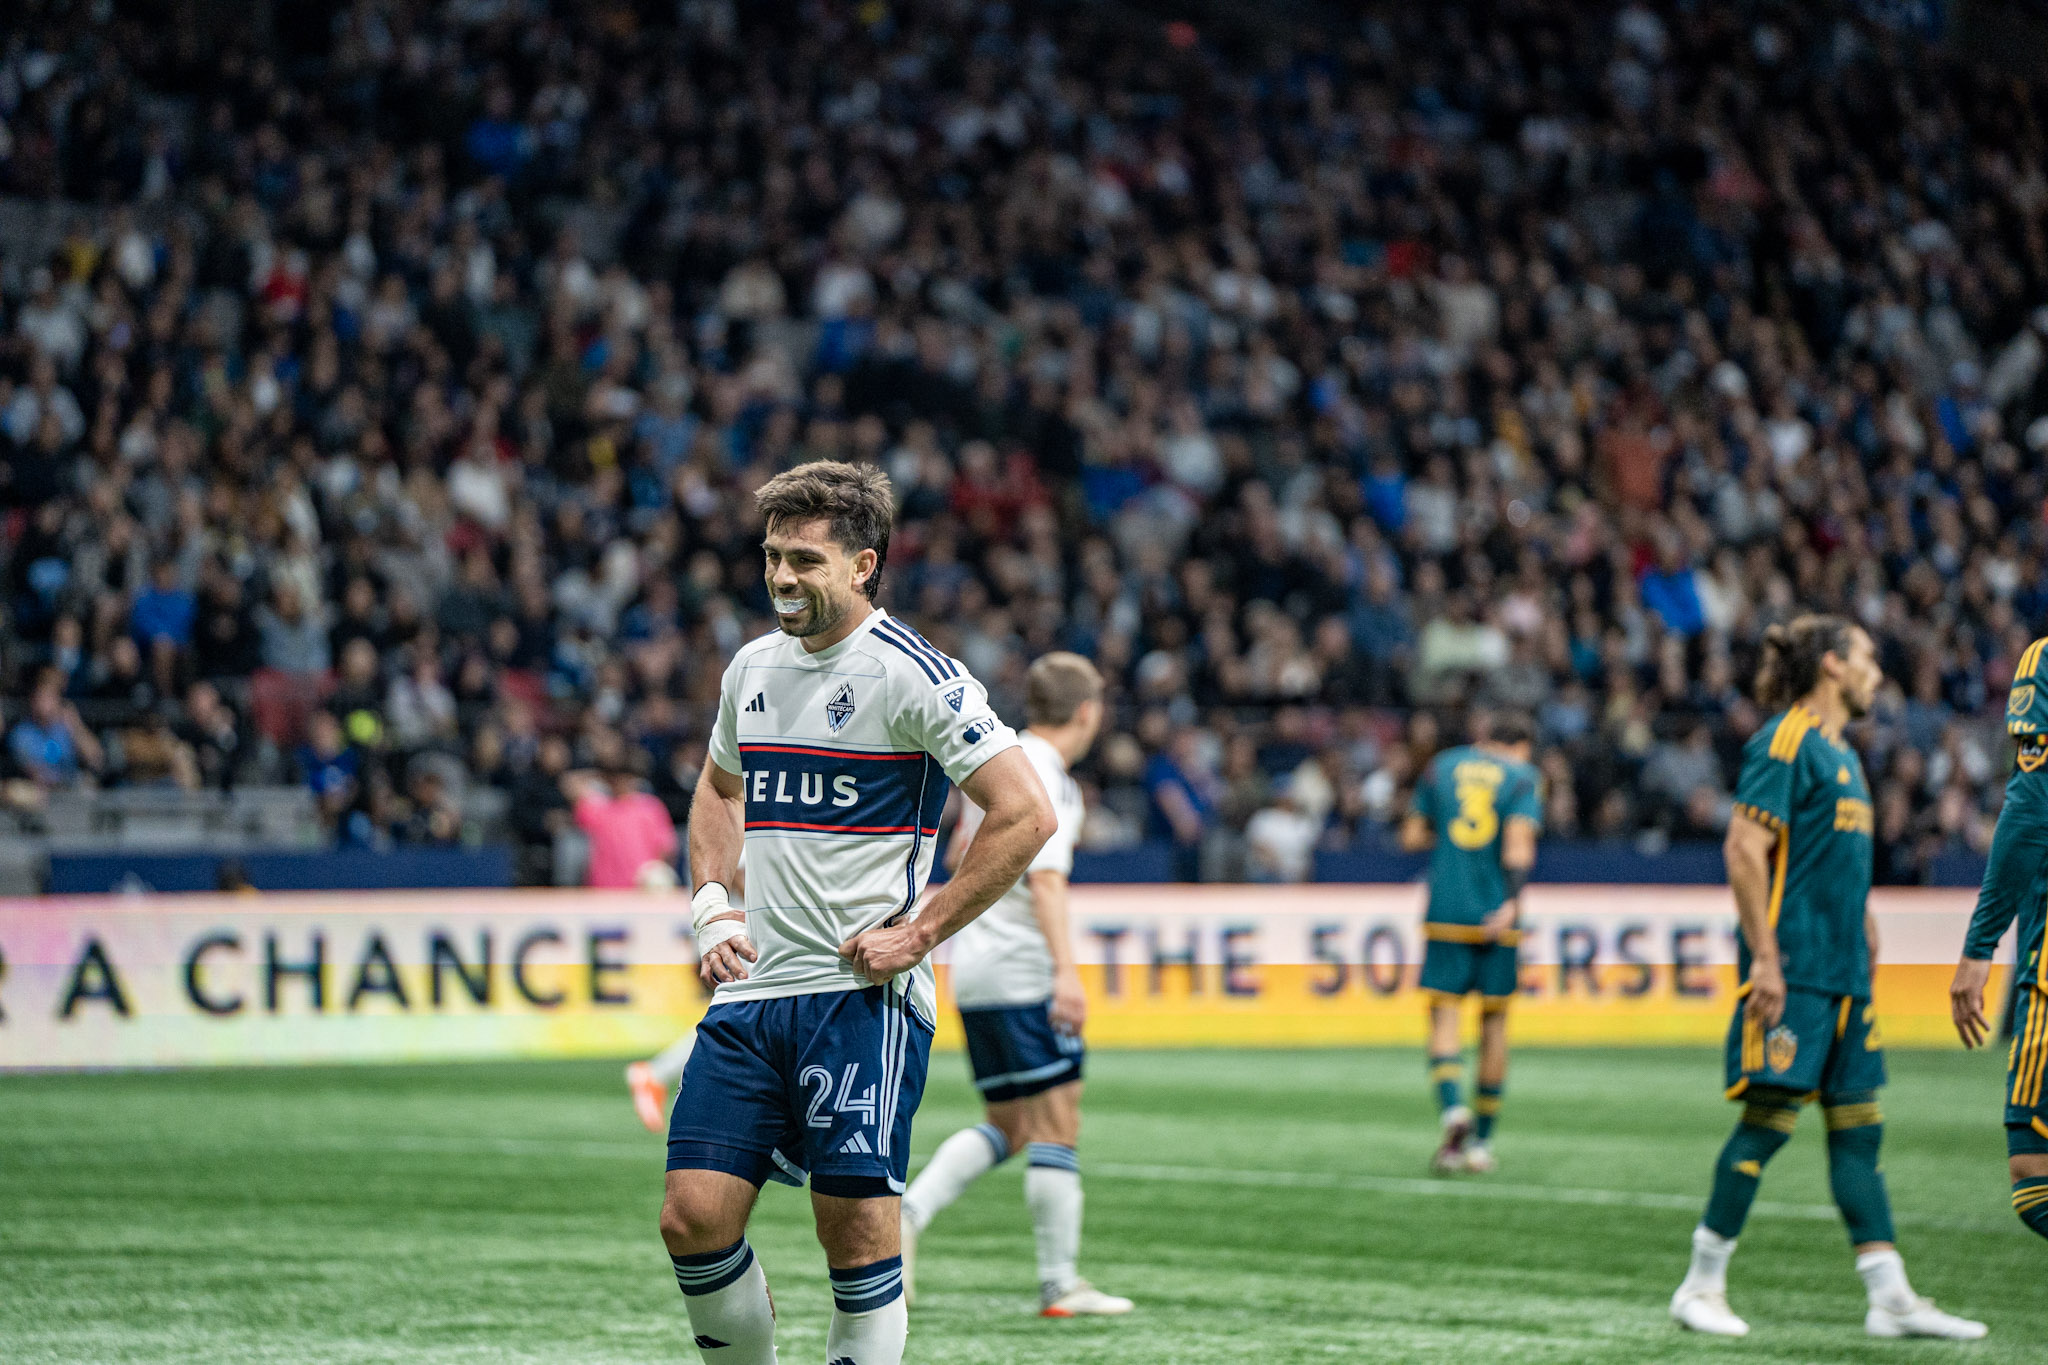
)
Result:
{"points": [[1500, 921], [885, 953], [1766, 994], [1966, 1001], [728, 961], [1069, 1004]]}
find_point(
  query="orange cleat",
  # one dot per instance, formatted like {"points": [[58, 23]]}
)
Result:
{"points": [[650, 1096]]}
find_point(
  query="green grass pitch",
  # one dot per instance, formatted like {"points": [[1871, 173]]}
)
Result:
{"points": [[1260, 1206]]}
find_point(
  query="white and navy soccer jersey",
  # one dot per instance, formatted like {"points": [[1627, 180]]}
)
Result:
{"points": [[805, 1069], [1001, 966], [1001, 958], [844, 756]]}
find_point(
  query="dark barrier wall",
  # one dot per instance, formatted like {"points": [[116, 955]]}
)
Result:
{"points": [[399, 869], [1558, 861]]}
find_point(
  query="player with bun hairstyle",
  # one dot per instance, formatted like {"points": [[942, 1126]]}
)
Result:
{"points": [[1799, 857]]}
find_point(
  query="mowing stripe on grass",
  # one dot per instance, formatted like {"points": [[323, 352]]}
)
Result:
{"points": [[1214, 1175]]}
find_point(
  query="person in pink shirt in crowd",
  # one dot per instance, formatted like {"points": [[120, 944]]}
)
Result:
{"points": [[632, 840]]}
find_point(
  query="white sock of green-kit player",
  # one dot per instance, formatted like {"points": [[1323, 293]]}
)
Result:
{"points": [[961, 1160], [727, 1297], [870, 1321], [668, 1064], [1884, 1276], [1710, 1253], [1052, 1190]]}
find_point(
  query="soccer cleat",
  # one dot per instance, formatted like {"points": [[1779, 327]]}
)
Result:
{"points": [[1450, 1158], [1706, 1310], [1920, 1318], [907, 1238], [1479, 1159], [650, 1096], [1078, 1300]]}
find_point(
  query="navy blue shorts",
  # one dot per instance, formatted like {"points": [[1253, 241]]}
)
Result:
{"points": [[805, 1086], [1015, 1051]]}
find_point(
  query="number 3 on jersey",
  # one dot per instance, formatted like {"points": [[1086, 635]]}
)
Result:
{"points": [[1477, 821]]}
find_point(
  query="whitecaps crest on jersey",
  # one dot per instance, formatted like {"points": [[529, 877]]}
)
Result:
{"points": [[839, 710]]}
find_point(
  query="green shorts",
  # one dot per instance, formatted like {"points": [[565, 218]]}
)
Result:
{"points": [[1824, 1044], [1493, 970], [2026, 1075]]}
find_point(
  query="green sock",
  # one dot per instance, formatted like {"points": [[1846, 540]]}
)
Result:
{"points": [[1445, 1073], [1855, 1134], [1766, 1125], [1486, 1104], [2030, 1202]]}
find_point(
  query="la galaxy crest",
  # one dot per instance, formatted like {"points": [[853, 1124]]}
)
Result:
{"points": [[1781, 1048], [839, 710], [2021, 701]]}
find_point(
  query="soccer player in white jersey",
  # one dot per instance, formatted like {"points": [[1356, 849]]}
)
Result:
{"points": [[1023, 1008], [828, 763]]}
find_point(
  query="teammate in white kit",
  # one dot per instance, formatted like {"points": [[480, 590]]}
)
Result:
{"points": [[829, 762], [1021, 1002]]}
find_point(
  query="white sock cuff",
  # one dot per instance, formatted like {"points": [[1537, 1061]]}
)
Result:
{"points": [[998, 1144], [1706, 1239]]}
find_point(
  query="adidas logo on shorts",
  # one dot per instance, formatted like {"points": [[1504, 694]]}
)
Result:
{"points": [[857, 1143]]}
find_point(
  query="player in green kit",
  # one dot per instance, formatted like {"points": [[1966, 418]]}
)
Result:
{"points": [[2016, 884], [1478, 809], [1799, 857]]}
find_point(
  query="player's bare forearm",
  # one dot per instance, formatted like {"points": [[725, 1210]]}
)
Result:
{"points": [[1416, 836], [1870, 937], [1018, 821], [1748, 852], [1049, 908], [718, 827], [718, 831]]}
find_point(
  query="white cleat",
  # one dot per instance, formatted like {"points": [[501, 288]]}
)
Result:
{"points": [[1078, 1300], [1706, 1310], [1920, 1318], [1479, 1159], [908, 1238], [1450, 1157]]}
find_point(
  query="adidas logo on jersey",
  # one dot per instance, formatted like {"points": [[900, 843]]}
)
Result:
{"points": [[759, 703], [857, 1143]]}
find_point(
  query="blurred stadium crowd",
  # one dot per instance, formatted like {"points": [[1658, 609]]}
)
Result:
{"points": [[387, 417]]}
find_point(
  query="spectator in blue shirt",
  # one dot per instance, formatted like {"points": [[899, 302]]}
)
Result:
{"points": [[164, 610], [51, 744], [1671, 591]]}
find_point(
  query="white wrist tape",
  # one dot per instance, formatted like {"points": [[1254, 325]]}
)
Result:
{"points": [[710, 902]]}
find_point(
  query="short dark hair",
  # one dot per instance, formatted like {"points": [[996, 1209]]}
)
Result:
{"points": [[1792, 653], [1055, 686], [855, 499], [1510, 728]]}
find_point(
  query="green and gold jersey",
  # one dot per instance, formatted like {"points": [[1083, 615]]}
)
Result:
{"points": [[1808, 788], [1468, 795], [2016, 877]]}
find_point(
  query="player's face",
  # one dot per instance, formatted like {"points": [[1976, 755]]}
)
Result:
{"points": [[813, 583], [1861, 677]]}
